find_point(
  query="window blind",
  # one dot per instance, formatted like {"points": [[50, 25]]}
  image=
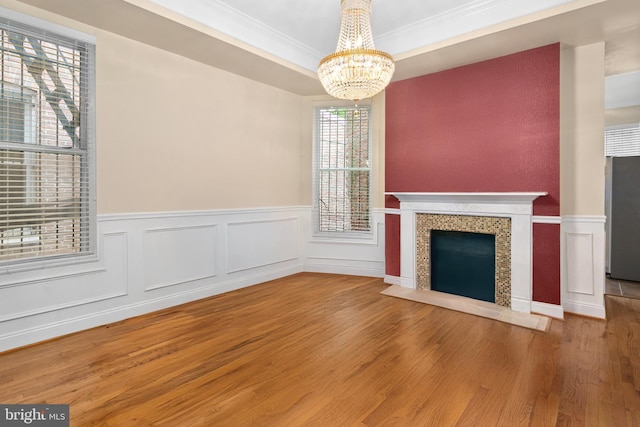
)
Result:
{"points": [[46, 144], [342, 169], [622, 141]]}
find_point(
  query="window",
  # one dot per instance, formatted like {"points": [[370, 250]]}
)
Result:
{"points": [[342, 169], [46, 144], [622, 141]]}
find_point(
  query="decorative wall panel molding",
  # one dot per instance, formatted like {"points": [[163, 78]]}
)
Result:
{"points": [[178, 255], [358, 256], [252, 244], [582, 268], [42, 297], [579, 246]]}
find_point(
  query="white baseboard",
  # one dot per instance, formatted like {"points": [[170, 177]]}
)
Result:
{"points": [[585, 309], [392, 280], [551, 310], [311, 267], [521, 305]]}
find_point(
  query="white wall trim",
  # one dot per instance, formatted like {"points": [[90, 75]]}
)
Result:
{"points": [[536, 219], [362, 257], [583, 219], [585, 309], [393, 280], [550, 310], [447, 23], [259, 243], [582, 264], [136, 216], [47, 25], [117, 313], [151, 261], [461, 20], [182, 252], [43, 277], [58, 307], [234, 23], [335, 268]]}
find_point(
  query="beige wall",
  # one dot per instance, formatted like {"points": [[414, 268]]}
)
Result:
{"points": [[582, 161], [174, 134]]}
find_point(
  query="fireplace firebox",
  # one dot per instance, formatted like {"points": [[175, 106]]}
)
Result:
{"points": [[464, 264]]}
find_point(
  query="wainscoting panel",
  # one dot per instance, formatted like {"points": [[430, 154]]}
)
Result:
{"points": [[27, 299], [178, 255], [362, 256], [147, 262], [582, 268], [35, 307], [253, 244], [580, 280]]}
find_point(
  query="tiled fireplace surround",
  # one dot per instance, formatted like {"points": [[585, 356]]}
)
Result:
{"points": [[508, 215]]}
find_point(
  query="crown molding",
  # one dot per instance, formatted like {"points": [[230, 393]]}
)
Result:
{"points": [[473, 16], [221, 17]]}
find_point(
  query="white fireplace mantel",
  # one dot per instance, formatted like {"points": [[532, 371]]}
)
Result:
{"points": [[477, 197], [515, 205]]}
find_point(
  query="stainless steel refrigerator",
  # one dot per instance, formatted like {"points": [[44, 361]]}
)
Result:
{"points": [[625, 218]]}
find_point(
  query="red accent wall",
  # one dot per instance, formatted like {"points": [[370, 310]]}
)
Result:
{"points": [[488, 126], [392, 238], [392, 245], [546, 263]]}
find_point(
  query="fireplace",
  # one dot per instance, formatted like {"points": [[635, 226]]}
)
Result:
{"points": [[461, 263], [500, 227], [506, 215]]}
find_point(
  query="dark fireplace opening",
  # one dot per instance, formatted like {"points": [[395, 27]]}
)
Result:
{"points": [[464, 264]]}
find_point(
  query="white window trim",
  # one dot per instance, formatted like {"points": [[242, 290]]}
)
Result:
{"points": [[356, 237], [47, 25], [92, 255]]}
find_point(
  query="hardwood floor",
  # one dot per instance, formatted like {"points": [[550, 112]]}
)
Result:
{"points": [[330, 350]]}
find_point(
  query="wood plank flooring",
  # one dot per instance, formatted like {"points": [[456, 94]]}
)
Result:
{"points": [[330, 350]]}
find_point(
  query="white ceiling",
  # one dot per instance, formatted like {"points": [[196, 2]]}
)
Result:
{"points": [[303, 32], [280, 42]]}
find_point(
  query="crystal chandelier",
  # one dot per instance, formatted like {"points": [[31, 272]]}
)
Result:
{"points": [[356, 70]]}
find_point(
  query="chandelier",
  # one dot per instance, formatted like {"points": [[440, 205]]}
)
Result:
{"points": [[356, 70]]}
